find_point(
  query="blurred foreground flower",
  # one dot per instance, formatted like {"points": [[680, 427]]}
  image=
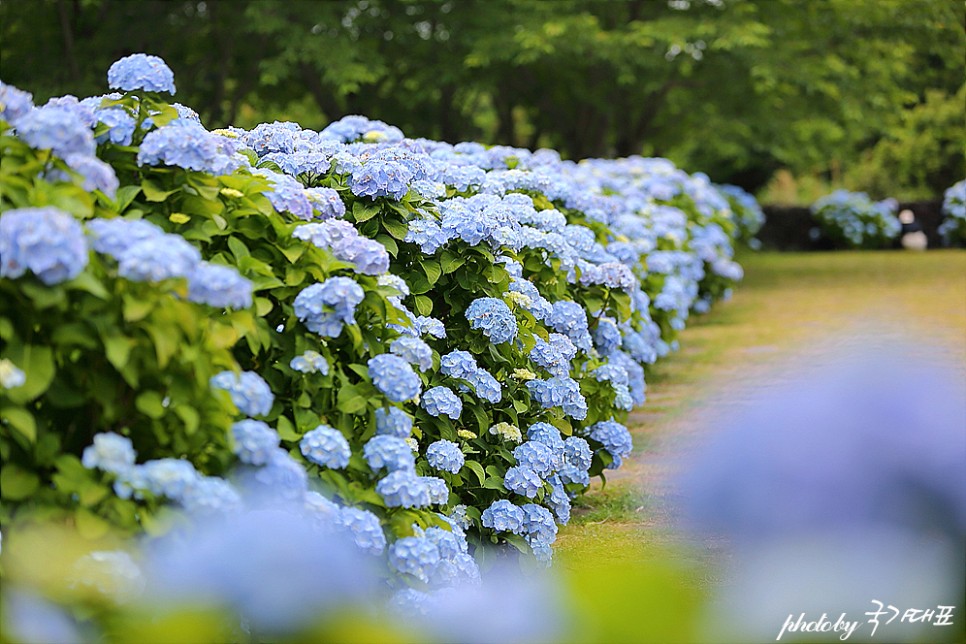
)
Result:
{"points": [[844, 486]]}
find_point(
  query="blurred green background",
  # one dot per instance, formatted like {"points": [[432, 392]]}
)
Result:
{"points": [[787, 98]]}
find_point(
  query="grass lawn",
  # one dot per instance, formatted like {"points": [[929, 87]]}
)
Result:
{"points": [[788, 306]]}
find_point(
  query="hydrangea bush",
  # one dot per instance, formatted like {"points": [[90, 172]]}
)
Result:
{"points": [[953, 226], [415, 337], [855, 221]]}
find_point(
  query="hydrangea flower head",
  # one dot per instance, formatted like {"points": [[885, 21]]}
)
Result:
{"points": [[56, 128], [390, 452], [504, 516], [310, 362], [403, 489], [537, 456], [158, 258], [46, 241], [413, 350], [324, 308], [414, 556], [250, 393], [219, 286], [365, 529], [14, 102], [445, 456], [254, 441], [559, 392], [522, 480], [110, 452], [394, 377], [615, 438], [440, 401], [326, 446], [141, 71], [186, 144], [494, 318], [393, 422], [507, 432]]}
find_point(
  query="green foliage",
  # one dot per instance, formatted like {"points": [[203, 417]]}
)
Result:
{"points": [[740, 88]]}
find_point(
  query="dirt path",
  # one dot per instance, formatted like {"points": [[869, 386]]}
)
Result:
{"points": [[791, 309]]}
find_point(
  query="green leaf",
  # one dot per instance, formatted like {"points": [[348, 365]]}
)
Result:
{"points": [[450, 261], [150, 404], [17, 483], [477, 469], [364, 212], [117, 348], [494, 483], [37, 363], [351, 401], [432, 270], [21, 420], [397, 229], [125, 195], [89, 284], [136, 308], [238, 248], [423, 304], [286, 430], [154, 192]]}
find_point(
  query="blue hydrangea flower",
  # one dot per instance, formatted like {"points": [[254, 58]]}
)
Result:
{"points": [[571, 474], [414, 556], [494, 318], [169, 477], [438, 492], [81, 109], [554, 355], [536, 456], [95, 174], [14, 102], [58, 129], [540, 529], [326, 203], [269, 139], [47, 241], [120, 125], [186, 144], [486, 386], [219, 286], [426, 234], [324, 308], [413, 350], [522, 480], [381, 178], [249, 392], [327, 511], [446, 456], [545, 433], [577, 452], [440, 401], [158, 258], [570, 319], [210, 495], [559, 392], [458, 364], [141, 71], [429, 326], [110, 452], [368, 256], [615, 438], [365, 529], [390, 452], [254, 441], [114, 236], [310, 362], [326, 446], [282, 476], [286, 194], [393, 422], [559, 500], [606, 335], [403, 489], [394, 377], [504, 516]]}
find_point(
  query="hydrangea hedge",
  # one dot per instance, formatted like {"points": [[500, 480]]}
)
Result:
{"points": [[855, 221], [432, 346], [953, 226]]}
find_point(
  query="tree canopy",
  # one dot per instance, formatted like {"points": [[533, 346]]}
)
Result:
{"points": [[865, 91]]}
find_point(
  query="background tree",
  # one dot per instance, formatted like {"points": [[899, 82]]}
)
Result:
{"points": [[865, 93]]}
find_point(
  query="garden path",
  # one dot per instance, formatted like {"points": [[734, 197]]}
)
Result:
{"points": [[791, 309]]}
